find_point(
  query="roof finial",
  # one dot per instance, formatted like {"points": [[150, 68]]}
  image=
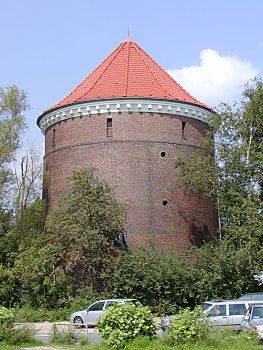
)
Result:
{"points": [[128, 38]]}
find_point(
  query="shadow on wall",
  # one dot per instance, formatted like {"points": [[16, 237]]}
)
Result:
{"points": [[200, 234]]}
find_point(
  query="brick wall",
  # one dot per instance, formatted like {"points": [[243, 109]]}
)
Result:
{"points": [[137, 157]]}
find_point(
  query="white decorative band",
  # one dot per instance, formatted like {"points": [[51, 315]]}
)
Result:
{"points": [[88, 108]]}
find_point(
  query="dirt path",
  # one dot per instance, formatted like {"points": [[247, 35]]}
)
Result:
{"points": [[41, 348]]}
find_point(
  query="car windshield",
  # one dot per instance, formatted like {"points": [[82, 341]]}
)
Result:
{"points": [[257, 312], [205, 306]]}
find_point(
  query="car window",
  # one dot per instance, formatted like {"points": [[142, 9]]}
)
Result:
{"points": [[97, 306], [218, 310], [135, 302], [257, 312], [109, 303], [205, 306], [237, 309]]}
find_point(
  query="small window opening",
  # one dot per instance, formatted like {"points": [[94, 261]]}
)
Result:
{"points": [[163, 154], [54, 138], [109, 126], [165, 202], [184, 134]]}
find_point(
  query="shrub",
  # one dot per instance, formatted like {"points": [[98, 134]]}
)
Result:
{"points": [[20, 335], [8, 334], [124, 322], [63, 337], [30, 314], [6, 317], [187, 326], [6, 323]]}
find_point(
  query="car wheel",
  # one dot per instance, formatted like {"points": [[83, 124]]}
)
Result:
{"points": [[78, 321]]}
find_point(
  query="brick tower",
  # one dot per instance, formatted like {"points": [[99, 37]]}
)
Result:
{"points": [[130, 120]]}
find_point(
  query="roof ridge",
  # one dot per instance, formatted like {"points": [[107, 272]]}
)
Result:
{"points": [[168, 75], [139, 49], [127, 68], [116, 51], [91, 73]]}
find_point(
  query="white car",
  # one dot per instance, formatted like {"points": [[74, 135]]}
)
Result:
{"points": [[253, 320], [90, 316]]}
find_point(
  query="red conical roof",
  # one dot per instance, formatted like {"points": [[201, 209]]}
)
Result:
{"points": [[128, 72]]}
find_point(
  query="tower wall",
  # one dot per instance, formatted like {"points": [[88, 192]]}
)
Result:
{"points": [[135, 153]]}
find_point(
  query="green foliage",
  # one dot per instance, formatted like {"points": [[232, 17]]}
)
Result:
{"points": [[188, 326], [85, 297], [121, 323], [62, 337], [19, 336], [83, 229], [222, 271], [159, 281], [30, 223], [6, 323], [16, 244], [6, 317], [234, 175], [37, 274], [13, 102], [8, 287], [29, 314], [166, 283]]}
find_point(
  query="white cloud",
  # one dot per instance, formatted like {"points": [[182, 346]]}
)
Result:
{"points": [[217, 78]]}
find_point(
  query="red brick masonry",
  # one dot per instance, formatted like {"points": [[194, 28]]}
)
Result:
{"points": [[136, 155]]}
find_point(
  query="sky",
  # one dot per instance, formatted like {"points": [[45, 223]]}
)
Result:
{"points": [[211, 47]]}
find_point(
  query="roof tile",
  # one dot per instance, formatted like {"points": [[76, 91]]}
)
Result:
{"points": [[128, 72]]}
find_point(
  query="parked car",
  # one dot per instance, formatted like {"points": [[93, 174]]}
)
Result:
{"points": [[221, 313], [253, 320], [90, 316], [252, 296]]}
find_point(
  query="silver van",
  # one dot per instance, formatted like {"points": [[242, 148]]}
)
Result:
{"points": [[227, 313]]}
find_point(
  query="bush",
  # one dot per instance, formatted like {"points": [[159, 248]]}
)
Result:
{"points": [[63, 337], [20, 336], [188, 326], [6, 323], [124, 322], [29, 314], [8, 334], [6, 317]]}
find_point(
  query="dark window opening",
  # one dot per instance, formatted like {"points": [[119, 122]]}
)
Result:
{"points": [[184, 133], [163, 154], [97, 306], [109, 126], [54, 138], [165, 202]]}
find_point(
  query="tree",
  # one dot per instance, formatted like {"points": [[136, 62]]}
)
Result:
{"points": [[159, 281], [233, 170], [84, 228], [13, 102], [28, 181]]}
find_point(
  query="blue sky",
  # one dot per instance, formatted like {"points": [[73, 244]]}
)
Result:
{"points": [[48, 47]]}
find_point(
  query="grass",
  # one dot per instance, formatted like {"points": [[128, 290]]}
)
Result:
{"points": [[214, 341], [146, 344]]}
